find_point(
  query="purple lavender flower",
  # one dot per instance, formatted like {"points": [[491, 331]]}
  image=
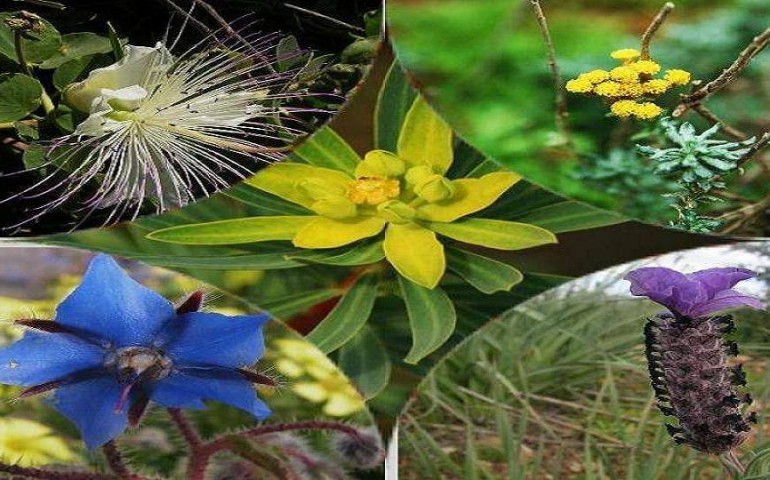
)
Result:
{"points": [[695, 294], [115, 345], [688, 357]]}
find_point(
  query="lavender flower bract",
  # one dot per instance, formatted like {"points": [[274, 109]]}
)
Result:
{"points": [[116, 345], [688, 357]]}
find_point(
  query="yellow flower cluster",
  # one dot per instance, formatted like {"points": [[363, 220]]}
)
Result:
{"points": [[627, 86]]}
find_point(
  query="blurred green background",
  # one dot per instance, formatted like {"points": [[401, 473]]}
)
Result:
{"points": [[484, 66]]}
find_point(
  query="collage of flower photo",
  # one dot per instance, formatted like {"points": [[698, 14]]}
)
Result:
{"points": [[383, 239]]}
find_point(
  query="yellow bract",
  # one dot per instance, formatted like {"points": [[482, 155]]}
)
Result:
{"points": [[623, 86], [401, 192]]}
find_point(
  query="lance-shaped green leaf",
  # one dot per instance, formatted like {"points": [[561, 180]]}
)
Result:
{"points": [[432, 318], [233, 232], [365, 361], [286, 306], [486, 275], [19, 96], [258, 261], [348, 317], [425, 138], [395, 99], [359, 254], [327, 149], [497, 234]]}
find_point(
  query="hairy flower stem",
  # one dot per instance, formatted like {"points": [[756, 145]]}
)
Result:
{"points": [[307, 425], [37, 473], [116, 463], [186, 428]]}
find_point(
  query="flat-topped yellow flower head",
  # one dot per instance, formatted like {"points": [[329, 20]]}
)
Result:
{"points": [[678, 77], [625, 54]]}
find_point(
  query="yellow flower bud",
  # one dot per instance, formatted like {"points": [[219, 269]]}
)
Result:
{"points": [[396, 211], [435, 189], [336, 207], [595, 76], [624, 75], [647, 111], [623, 108], [609, 89], [678, 77], [379, 163], [625, 54], [416, 175], [647, 67], [656, 87], [579, 85]]}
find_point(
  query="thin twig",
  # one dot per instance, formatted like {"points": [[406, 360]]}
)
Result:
{"points": [[187, 430], [653, 28], [200, 25], [728, 75], [325, 17], [561, 100], [761, 143], [116, 463], [729, 130]]}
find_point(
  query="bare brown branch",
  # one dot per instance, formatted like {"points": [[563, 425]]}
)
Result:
{"points": [[653, 28]]}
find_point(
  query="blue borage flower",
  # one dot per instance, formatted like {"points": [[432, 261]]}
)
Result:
{"points": [[115, 345]]}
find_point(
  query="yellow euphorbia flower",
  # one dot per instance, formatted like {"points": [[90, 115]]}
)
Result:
{"points": [[406, 194], [24, 442], [316, 378]]}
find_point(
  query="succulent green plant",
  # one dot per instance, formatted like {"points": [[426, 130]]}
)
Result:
{"points": [[697, 159]]}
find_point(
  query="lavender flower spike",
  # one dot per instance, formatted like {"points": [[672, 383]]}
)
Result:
{"points": [[688, 357], [694, 294]]}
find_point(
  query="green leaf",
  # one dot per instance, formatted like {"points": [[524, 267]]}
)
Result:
{"points": [[432, 318], [327, 149], [499, 234], [425, 138], [360, 254], [77, 45], [34, 157], [19, 96], [348, 317], [44, 45], [287, 306], [486, 275], [395, 100], [569, 216], [233, 232], [365, 361], [76, 69], [115, 43], [258, 261], [28, 133], [288, 54]]}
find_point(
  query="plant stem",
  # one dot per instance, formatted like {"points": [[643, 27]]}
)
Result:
{"points": [[116, 463], [307, 425], [732, 464], [188, 431], [653, 28], [761, 143], [37, 473], [726, 128], [48, 105], [728, 75], [561, 100]]}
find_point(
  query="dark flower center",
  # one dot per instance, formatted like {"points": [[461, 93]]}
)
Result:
{"points": [[136, 364]]}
